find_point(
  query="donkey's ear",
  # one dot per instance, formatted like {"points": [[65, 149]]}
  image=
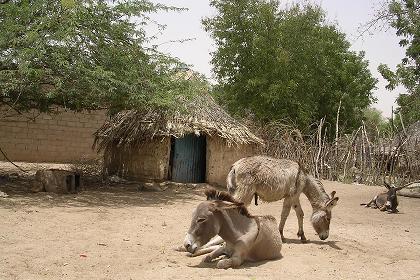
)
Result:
{"points": [[210, 193], [331, 203], [332, 194]]}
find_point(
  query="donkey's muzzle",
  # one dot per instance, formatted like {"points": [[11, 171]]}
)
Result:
{"points": [[189, 244], [323, 235]]}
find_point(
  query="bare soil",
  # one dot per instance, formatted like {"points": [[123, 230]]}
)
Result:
{"points": [[121, 233]]}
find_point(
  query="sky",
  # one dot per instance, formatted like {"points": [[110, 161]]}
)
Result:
{"points": [[380, 47]]}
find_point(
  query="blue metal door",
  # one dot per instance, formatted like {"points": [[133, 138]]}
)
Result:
{"points": [[189, 159]]}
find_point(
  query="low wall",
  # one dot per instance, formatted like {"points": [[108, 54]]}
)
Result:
{"points": [[62, 136]]}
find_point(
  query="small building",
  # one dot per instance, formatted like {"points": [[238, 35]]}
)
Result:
{"points": [[198, 143]]}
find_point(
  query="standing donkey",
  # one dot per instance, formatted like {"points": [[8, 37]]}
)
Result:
{"points": [[275, 179]]}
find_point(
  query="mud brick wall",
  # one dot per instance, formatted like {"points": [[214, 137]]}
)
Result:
{"points": [[147, 162], [220, 158], [62, 136]]}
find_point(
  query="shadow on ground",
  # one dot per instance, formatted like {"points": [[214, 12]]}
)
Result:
{"points": [[331, 243], [245, 265], [94, 196]]}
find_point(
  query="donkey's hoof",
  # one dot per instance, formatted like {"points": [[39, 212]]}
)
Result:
{"points": [[180, 249], [207, 259], [224, 264]]}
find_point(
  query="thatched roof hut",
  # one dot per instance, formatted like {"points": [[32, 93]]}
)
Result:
{"points": [[196, 143]]}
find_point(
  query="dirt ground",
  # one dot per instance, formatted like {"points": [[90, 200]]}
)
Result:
{"points": [[112, 233]]}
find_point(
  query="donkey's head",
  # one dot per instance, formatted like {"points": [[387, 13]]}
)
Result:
{"points": [[204, 226], [321, 217], [391, 198], [207, 219]]}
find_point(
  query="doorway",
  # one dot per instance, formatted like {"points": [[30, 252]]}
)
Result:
{"points": [[188, 159]]}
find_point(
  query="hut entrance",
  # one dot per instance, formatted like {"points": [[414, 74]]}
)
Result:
{"points": [[188, 159]]}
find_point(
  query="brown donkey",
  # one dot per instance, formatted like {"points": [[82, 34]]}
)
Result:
{"points": [[386, 201], [247, 237]]}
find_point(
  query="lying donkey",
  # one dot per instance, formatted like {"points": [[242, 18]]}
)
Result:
{"points": [[247, 237], [386, 201]]}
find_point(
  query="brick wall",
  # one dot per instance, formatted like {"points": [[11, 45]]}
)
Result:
{"points": [[63, 136]]}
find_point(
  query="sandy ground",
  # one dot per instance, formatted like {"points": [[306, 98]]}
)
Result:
{"points": [[112, 233]]}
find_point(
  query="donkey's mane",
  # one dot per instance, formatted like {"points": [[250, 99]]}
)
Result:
{"points": [[213, 194], [320, 187]]}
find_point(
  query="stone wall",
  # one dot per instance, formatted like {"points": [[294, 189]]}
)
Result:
{"points": [[62, 136], [220, 158]]}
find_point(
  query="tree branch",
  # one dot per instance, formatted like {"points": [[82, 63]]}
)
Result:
{"points": [[5, 156]]}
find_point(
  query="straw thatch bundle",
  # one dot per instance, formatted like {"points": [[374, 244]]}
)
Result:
{"points": [[199, 115]]}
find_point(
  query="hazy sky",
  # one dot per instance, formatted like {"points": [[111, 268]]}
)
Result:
{"points": [[380, 47]]}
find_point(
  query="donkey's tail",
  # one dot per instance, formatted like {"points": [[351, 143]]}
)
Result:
{"points": [[232, 186], [231, 181]]}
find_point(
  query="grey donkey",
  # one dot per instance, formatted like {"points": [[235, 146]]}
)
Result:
{"points": [[274, 179], [247, 237]]}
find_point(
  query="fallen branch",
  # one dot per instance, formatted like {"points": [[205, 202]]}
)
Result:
{"points": [[5, 156]]}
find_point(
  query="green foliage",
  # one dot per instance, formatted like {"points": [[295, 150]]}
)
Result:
{"points": [[404, 16], [286, 64], [83, 55], [376, 125]]}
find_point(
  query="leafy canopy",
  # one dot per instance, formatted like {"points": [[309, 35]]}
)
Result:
{"points": [[84, 55], [376, 125], [286, 64], [404, 17]]}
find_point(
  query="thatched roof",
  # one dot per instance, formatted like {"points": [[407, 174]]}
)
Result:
{"points": [[201, 115]]}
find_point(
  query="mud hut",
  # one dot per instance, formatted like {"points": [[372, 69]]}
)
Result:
{"points": [[197, 143]]}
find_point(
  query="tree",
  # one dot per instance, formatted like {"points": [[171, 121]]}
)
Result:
{"points": [[375, 123], [83, 55], [286, 64], [404, 17]]}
